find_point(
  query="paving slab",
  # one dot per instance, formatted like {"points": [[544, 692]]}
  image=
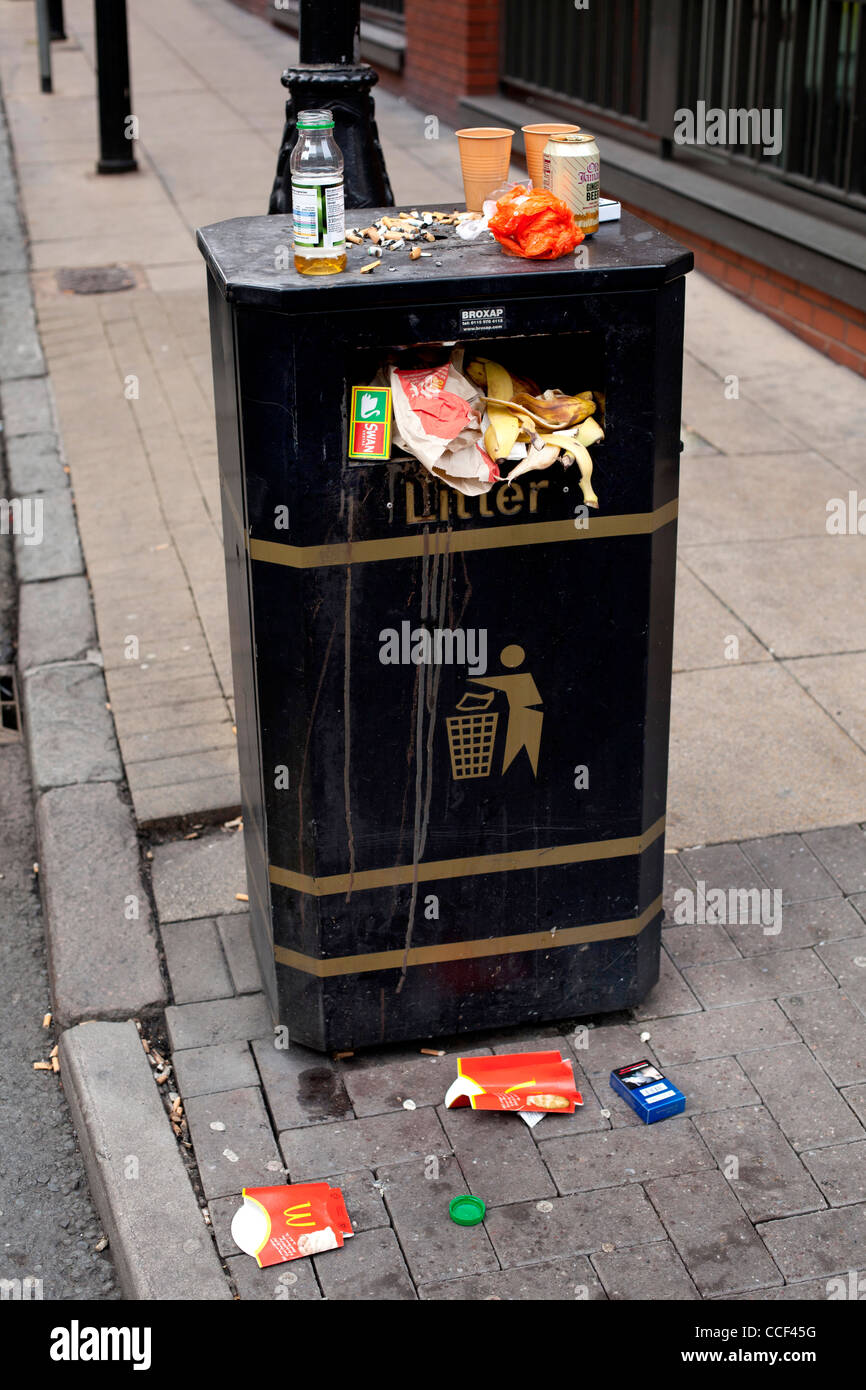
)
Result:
{"points": [[159, 1242], [803, 924], [58, 552], [225, 1067], [301, 1086], [704, 627], [296, 1283], [370, 1267], [760, 977], [55, 622], [716, 1242], [839, 1171], [837, 683], [34, 465], [69, 726], [612, 1045], [626, 1155], [855, 1096], [730, 774], [196, 965], [770, 1180], [240, 953], [498, 1156], [233, 1141], [27, 407], [373, 1089], [417, 1196], [572, 1279], [404, 1137], [532, 1231], [820, 1243], [721, 1032], [645, 1272], [218, 1021], [786, 862], [102, 962], [846, 960], [842, 851], [698, 943], [834, 1029], [800, 1096], [671, 995], [200, 878]]}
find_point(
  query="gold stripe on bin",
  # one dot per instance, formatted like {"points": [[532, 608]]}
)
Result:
{"points": [[303, 557], [467, 950], [436, 869]]}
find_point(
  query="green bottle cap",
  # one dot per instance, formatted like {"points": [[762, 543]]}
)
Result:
{"points": [[466, 1210], [315, 120]]}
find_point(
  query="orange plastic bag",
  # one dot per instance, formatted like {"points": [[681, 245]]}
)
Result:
{"points": [[534, 222]]}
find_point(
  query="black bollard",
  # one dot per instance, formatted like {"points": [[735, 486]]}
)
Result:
{"points": [[43, 42], [112, 69], [330, 75], [56, 26]]}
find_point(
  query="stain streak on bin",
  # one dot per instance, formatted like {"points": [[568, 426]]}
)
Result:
{"points": [[431, 867]]}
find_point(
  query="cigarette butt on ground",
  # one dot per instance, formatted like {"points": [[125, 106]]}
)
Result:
{"points": [[55, 1063], [42, 1066], [242, 897], [433, 1051], [338, 1056], [46, 1021]]}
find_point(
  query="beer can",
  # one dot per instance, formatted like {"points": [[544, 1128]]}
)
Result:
{"points": [[572, 172]]}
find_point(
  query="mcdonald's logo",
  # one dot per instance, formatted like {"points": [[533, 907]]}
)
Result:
{"points": [[295, 1215]]}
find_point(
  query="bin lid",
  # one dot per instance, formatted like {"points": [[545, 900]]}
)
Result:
{"points": [[242, 256]]}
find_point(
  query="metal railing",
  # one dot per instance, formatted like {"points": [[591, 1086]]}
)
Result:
{"points": [[806, 58], [636, 62], [598, 55]]}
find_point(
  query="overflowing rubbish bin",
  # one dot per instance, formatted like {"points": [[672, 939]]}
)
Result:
{"points": [[452, 700]]}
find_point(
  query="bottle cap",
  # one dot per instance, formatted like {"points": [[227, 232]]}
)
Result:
{"points": [[466, 1210], [315, 120]]}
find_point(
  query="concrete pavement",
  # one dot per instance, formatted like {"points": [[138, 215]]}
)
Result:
{"points": [[771, 610]]}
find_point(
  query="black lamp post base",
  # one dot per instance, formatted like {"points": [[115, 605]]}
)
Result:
{"points": [[116, 166], [345, 91]]}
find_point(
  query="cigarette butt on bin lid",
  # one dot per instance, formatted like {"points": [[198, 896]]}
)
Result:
{"points": [[537, 1082], [290, 1221]]}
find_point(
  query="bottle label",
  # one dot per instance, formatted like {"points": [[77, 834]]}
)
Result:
{"points": [[319, 218]]}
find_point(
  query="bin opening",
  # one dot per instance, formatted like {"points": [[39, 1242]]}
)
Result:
{"points": [[480, 412]]}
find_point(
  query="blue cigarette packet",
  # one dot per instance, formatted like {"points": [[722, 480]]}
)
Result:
{"points": [[648, 1093]]}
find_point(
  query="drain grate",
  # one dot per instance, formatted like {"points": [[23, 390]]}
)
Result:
{"points": [[96, 279], [10, 721]]}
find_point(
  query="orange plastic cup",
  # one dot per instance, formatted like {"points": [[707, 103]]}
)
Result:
{"points": [[485, 154], [535, 137]]}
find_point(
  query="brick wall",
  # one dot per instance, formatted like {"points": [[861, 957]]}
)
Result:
{"points": [[830, 325], [452, 50]]}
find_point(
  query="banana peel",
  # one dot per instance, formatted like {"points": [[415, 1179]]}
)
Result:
{"points": [[584, 463], [535, 459]]}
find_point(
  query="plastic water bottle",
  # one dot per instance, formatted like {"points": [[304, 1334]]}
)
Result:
{"points": [[317, 197]]}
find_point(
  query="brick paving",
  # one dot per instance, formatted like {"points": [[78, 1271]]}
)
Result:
{"points": [[757, 1192]]}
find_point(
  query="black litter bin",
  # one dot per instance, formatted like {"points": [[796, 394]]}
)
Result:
{"points": [[420, 864]]}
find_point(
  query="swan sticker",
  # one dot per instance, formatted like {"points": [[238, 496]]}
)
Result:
{"points": [[472, 730], [370, 428]]}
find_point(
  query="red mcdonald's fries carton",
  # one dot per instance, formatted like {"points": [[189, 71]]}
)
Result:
{"points": [[276, 1224], [538, 1082]]}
